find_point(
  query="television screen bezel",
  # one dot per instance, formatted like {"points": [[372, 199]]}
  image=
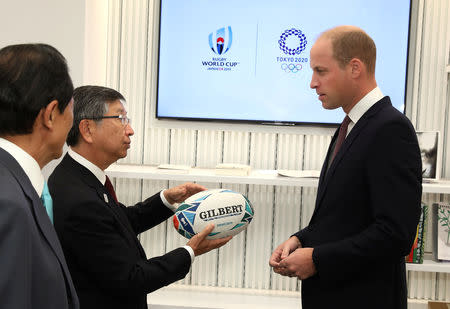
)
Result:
{"points": [[274, 122]]}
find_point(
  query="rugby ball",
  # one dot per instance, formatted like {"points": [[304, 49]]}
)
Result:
{"points": [[231, 212]]}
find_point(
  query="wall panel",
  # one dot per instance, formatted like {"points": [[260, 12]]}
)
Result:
{"points": [[209, 148], [259, 236], [232, 256]]}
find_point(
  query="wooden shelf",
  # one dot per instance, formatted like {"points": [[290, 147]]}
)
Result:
{"points": [[256, 177]]}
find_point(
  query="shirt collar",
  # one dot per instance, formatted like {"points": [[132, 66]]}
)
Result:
{"points": [[94, 169], [27, 163], [364, 104]]}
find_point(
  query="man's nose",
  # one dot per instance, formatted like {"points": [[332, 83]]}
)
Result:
{"points": [[313, 84], [129, 130]]}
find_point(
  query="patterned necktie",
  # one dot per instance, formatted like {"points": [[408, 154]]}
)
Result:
{"points": [[341, 136], [110, 188], [46, 199]]}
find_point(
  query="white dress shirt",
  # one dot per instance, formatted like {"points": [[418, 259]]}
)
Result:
{"points": [[101, 176], [363, 106], [27, 163]]}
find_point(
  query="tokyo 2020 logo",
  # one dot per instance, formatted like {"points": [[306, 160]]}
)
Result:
{"points": [[288, 46]]}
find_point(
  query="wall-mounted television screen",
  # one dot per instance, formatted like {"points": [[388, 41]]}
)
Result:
{"points": [[248, 61]]}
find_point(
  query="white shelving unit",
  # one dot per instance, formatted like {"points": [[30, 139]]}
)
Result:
{"points": [[256, 177], [175, 296], [430, 266], [259, 177]]}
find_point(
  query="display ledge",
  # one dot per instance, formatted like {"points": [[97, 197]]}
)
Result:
{"points": [[430, 266], [195, 297], [256, 177], [201, 297]]}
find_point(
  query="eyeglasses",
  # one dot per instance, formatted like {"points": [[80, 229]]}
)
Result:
{"points": [[124, 119]]}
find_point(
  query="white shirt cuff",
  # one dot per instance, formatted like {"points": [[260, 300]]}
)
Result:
{"points": [[168, 205], [174, 208], [191, 252]]}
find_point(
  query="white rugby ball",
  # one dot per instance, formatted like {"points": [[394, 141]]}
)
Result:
{"points": [[231, 212]]}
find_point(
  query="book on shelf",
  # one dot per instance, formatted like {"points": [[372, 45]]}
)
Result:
{"points": [[232, 169], [418, 247], [299, 173], [174, 168], [441, 231]]}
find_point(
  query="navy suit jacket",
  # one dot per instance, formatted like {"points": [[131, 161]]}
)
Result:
{"points": [[99, 239], [366, 214], [33, 271]]}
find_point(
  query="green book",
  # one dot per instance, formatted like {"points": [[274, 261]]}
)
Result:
{"points": [[418, 247]]}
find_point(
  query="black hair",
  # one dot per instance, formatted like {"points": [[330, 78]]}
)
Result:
{"points": [[31, 76]]}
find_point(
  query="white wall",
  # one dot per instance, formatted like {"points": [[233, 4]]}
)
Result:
{"points": [[95, 40], [59, 23]]}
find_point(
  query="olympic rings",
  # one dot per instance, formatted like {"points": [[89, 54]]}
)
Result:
{"points": [[294, 68]]}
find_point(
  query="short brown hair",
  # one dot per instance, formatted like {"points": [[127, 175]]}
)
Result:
{"points": [[351, 42]]}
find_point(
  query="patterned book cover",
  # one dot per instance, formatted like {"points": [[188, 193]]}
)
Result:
{"points": [[416, 254], [441, 231]]}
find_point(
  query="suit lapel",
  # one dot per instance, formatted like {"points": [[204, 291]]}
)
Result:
{"points": [[327, 172], [38, 209], [91, 181], [324, 170], [42, 220], [120, 217]]}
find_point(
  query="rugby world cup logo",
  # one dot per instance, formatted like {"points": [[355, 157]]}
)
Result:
{"points": [[220, 41], [292, 42]]}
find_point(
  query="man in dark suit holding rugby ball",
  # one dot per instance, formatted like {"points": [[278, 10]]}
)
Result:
{"points": [[351, 254], [98, 234]]}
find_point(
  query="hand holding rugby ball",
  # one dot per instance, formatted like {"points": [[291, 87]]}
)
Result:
{"points": [[231, 212]]}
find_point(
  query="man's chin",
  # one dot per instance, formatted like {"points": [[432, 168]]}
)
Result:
{"points": [[58, 155], [327, 106], [124, 154]]}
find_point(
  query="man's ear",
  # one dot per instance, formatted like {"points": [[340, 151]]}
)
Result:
{"points": [[49, 114], [87, 129], [356, 67]]}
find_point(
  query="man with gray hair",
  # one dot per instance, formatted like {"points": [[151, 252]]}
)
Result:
{"points": [[98, 234]]}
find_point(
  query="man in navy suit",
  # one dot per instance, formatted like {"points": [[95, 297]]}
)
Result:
{"points": [[35, 117], [98, 234], [351, 254]]}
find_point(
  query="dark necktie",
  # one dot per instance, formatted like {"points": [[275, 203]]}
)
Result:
{"points": [[110, 188], [341, 136]]}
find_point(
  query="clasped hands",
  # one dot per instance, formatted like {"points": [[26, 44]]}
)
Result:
{"points": [[292, 260]]}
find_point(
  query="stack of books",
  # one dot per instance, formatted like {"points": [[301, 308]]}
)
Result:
{"points": [[416, 253]]}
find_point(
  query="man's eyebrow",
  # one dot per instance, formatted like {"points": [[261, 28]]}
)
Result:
{"points": [[120, 110]]}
